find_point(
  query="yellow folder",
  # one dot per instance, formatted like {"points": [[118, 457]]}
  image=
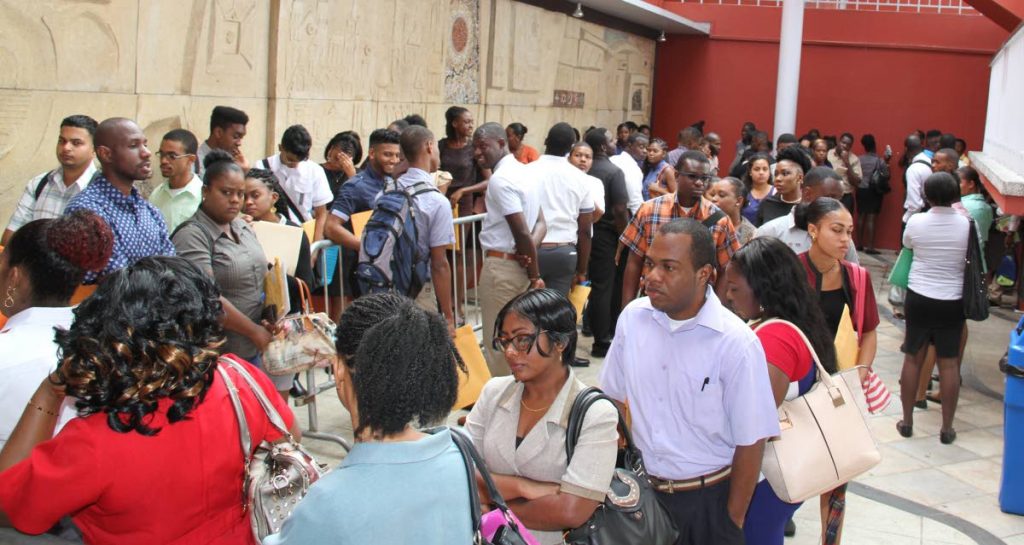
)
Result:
{"points": [[471, 383]]}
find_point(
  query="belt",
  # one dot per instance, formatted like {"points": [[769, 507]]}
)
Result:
{"points": [[669, 486], [501, 255], [556, 244]]}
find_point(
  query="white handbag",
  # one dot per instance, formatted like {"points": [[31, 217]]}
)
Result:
{"points": [[825, 439]]}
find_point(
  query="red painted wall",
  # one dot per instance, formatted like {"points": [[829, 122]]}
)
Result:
{"points": [[883, 73]]}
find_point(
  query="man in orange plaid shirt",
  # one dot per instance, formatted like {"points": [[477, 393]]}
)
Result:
{"points": [[692, 178]]}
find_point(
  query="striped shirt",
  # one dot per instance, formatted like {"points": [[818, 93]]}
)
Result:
{"points": [[639, 234]]}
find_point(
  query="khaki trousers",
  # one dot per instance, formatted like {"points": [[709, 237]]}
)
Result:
{"points": [[427, 300], [500, 281]]}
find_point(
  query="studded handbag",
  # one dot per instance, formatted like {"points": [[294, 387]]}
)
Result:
{"points": [[631, 513], [278, 475]]}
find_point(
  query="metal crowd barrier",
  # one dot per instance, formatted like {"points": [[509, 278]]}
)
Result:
{"points": [[466, 261]]}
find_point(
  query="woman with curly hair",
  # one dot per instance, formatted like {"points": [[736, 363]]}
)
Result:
{"points": [[40, 268], [153, 456], [396, 367], [519, 423], [764, 280]]}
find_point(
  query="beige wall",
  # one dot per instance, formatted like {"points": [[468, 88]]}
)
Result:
{"points": [[329, 64]]}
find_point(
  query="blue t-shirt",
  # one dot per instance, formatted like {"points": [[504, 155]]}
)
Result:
{"points": [[139, 228], [387, 494], [358, 194]]}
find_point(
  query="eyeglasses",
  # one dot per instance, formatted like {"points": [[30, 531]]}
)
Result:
{"points": [[173, 156], [696, 176], [521, 343]]}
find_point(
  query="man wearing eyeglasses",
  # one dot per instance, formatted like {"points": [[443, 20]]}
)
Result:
{"points": [[179, 196], [692, 179]]}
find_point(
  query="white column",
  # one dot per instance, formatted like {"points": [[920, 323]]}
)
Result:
{"points": [[788, 86]]}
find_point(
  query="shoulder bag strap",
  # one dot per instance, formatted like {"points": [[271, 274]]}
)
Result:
{"points": [[586, 398], [860, 283], [243, 426], [284, 193], [209, 238], [822, 372], [473, 459], [713, 219], [272, 415]]}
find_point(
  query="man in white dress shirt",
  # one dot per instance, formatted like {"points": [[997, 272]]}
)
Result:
{"points": [[511, 232], [696, 381]]}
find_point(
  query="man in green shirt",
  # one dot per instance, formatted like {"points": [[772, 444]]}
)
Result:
{"points": [[178, 197]]}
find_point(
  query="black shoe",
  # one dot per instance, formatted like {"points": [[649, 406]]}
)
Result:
{"points": [[580, 362], [923, 404], [906, 430], [599, 350], [586, 332], [297, 390], [790, 530], [947, 437]]}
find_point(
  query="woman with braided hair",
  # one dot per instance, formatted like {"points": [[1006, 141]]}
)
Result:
{"points": [[395, 374], [39, 270]]}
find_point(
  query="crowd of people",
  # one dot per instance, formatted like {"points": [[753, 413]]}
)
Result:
{"points": [[118, 308]]}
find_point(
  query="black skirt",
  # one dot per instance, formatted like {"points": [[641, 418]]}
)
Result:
{"points": [[933, 321]]}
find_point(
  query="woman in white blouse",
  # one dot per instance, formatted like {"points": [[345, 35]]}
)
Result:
{"points": [[519, 422], [934, 303], [40, 268]]}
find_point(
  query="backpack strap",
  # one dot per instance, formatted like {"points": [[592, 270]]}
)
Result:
{"points": [[42, 183]]}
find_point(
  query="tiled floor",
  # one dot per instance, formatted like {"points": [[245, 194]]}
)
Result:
{"points": [[923, 491]]}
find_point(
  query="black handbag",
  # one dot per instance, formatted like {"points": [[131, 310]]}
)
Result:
{"points": [[507, 534], [631, 513], [975, 296], [880, 177]]}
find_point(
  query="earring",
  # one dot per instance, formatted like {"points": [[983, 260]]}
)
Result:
{"points": [[9, 300], [761, 308]]}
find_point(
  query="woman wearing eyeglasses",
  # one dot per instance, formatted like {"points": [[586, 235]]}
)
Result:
{"points": [[519, 422]]}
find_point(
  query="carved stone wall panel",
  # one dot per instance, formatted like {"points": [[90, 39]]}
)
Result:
{"points": [[204, 47], [68, 46], [29, 125]]}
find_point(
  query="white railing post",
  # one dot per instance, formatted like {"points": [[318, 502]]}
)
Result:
{"points": [[788, 85]]}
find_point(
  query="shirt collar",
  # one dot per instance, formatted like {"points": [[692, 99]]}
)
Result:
{"points": [[82, 180], [104, 186], [399, 452], [709, 315], [414, 175], [558, 412], [700, 210], [40, 316], [508, 159]]}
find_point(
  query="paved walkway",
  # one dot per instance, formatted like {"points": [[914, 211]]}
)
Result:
{"points": [[923, 491]]}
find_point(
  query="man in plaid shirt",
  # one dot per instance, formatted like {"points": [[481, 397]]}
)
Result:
{"points": [[46, 195], [692, 178]]}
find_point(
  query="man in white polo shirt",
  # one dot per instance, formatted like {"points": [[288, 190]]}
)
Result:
{"points": [[565, 199], [697, 385], [306, 190], [511, 231]]}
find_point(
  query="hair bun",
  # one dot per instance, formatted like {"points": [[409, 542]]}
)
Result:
{"points": [[83, 238], [217, 156]]}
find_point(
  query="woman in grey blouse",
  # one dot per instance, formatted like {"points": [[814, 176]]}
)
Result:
{"points": [[519, 422], [223, 246]]}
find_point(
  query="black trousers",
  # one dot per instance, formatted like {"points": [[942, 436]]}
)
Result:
{"points": [[702, 516], [558, 267], [602, 283]]}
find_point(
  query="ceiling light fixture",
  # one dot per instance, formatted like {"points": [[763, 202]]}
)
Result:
{"points": [[579, 11], [661, 37]]}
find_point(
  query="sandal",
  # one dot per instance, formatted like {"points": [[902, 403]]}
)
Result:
{"points": [[946, 437], [906, 430]]}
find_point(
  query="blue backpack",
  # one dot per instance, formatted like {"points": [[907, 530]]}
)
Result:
{"points": [[389, 257]]}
